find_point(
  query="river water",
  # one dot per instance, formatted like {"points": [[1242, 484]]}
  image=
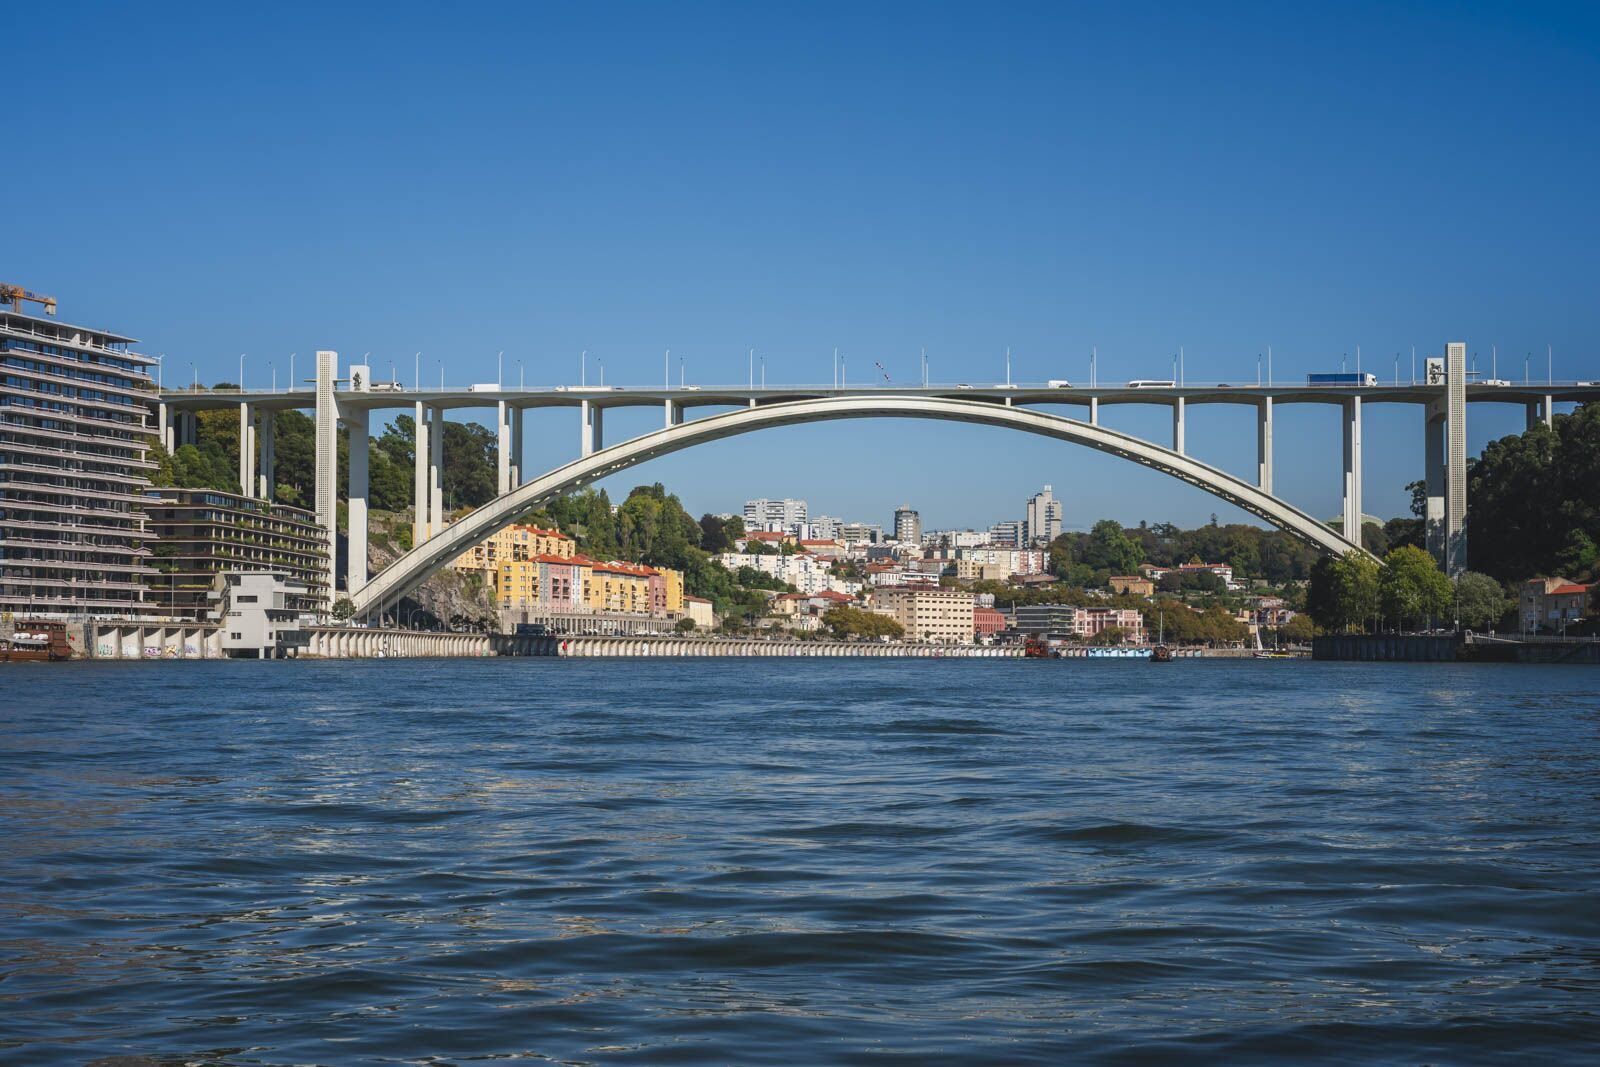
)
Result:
{"points": [[798, 861]]}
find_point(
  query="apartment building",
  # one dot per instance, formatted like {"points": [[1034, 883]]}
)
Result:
{"points": [[516, 544], [781, 516], [197, 534], [1076, 623], [73, 466], [907, 525], [808, 573], [942, 616], [1042, 523]]}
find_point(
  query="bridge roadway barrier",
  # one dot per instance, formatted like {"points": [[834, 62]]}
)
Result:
{"points": [[647, 645]]}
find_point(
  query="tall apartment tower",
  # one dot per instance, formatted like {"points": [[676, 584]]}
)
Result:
{"points": [[73, 407], [1043, 522], [907, 525]]}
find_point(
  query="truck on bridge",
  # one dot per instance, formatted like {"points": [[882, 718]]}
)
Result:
{"points": [[1342, 379]]}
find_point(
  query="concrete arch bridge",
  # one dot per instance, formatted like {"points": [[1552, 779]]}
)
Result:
{"points": [[350, 401], [412, 568]]}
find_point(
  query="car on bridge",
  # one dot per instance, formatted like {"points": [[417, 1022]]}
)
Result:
{"points": [[1151, 383], [1058, 383]]}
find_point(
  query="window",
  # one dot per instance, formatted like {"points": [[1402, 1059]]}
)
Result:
{"points": [[247, 598], [237, 637]]}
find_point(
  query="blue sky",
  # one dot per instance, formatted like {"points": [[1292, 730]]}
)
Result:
{"points": [[545, 179]]}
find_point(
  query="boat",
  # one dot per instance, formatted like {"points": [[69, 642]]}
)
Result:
{"points": [[38, 640], [1161, 653], [1034, 648]]}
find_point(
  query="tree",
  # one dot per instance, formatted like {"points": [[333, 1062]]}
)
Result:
{"points": [[1110, 548], [848, 622], [1480, 601], [1298, 630], [1534, 500], [684, 625], [344, 609], [1412, 588], [1344, 591], [1111, 635]]}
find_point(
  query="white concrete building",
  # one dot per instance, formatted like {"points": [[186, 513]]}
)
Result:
{"points": [[262, 614], [1042, 523], [783, 516], [907, 525], [809, 574], [943, 616]]}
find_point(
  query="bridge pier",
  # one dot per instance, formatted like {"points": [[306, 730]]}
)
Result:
{"points": [[502, 423], [355, 571], [164, 426], [420, 482], [1352, 469], [591, 417], [1177, 425], [516, 445], [327, 440], [436, 473], [1094, 411], [1264, 445], [1434, 474], [247, 448], [269, 455]]}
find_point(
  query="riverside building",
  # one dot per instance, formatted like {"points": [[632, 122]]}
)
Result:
{"points": [[73, 468], [198, 534]]}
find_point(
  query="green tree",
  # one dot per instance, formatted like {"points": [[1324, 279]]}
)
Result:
{"points": [[1298, 630], [1480, 601], [1343, 594], [1111, 635], [684, 625], [1110, 548], [343, 609], [1412, 588], [847, 622]]}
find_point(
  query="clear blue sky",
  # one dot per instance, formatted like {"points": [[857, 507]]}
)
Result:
{"points": [[548, 178]]}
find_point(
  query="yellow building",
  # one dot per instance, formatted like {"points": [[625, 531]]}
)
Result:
{"points": [[516, 584], [674, 580], [514, 544], [619, 587]]}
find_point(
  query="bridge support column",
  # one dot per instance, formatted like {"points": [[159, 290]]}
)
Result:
{"points": [[419, 485], [327, 439], [1094, 411], [1433, 448], [1177, 425], [269, 455], [1455, 500], [355, 571], [502, 449], [247, 449], [436, 473], [164, 427], [672, 413], [188, 433], [1264, 445], [591, 428], [1352, 469], [1549, 413], [516, 446]]}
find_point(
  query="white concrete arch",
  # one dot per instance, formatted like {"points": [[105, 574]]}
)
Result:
{"points": [[409, 570]]}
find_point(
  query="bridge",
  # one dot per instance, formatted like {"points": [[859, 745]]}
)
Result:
{"points": [[353, 399]]}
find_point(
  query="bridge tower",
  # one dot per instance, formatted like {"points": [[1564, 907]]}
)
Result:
{"points": [[1445, 458]]}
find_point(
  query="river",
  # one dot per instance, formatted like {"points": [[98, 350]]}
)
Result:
{"points": [[798, 861]]}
